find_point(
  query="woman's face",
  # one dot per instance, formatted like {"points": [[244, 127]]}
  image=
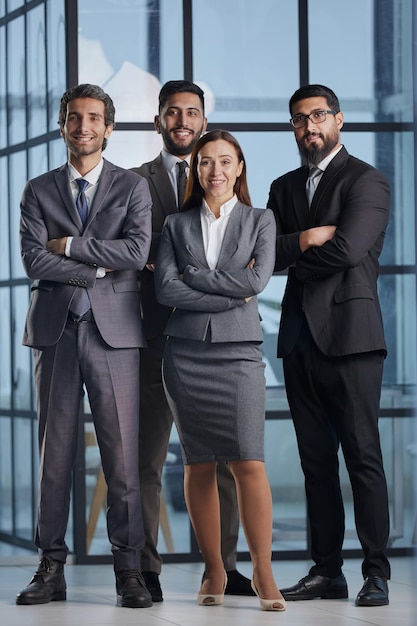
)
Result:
{"points": [[218, 167]]}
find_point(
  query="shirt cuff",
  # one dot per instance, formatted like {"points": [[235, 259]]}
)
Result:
{"points": [[68, 246]]}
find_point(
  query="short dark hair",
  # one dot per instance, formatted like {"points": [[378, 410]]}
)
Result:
{"points": [[315, 91], [179, 86], [194, 192], [86, 90]]}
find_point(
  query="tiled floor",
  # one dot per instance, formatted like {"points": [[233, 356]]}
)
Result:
{"points": [[91, 600]]}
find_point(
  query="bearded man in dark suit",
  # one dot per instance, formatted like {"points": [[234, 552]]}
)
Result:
{"points": [[331, 216]]}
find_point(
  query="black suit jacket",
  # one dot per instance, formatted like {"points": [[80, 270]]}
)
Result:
{"points": [[155, 315], [335, 285]]}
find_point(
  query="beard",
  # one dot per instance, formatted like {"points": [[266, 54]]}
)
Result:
{"points": [[315, 153], [179, 149]]}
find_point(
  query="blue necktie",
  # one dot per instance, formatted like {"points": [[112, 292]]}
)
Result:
{"points": [[81, 201], [80, 303], [311, 183]]}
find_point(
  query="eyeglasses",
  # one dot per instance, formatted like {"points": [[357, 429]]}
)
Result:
{"points": [[317, 117]]}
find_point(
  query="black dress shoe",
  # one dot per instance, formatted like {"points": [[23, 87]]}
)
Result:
{"points": [[153, 585], [237, 584], [48, 584], [314, 586], [373, 593], [131, 590]]}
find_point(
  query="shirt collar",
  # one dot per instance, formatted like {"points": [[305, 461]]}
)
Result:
{"points": [[92, 176], [170, 160], [225, 208], [323, 164]]}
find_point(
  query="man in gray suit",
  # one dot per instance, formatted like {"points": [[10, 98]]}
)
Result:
{"points": [[180, 122], [85, 232]]}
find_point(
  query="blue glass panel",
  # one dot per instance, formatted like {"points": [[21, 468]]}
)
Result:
{"points": [[246, 59], [36, 72]]}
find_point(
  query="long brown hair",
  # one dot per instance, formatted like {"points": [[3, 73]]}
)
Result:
{"points": [[194, 193]]}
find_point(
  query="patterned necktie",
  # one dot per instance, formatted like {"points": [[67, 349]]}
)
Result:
{"points": [[181, 182], [311, 183], [81, 201], [80, 303]]}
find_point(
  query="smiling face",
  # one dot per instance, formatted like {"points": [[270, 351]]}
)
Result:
{"points": [[84, 130], [218, 167], [316, 141], [181, 123]]}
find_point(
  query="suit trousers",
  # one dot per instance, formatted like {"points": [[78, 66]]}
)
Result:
{"points": [[155, 429], [335, 401], [111, 379]]}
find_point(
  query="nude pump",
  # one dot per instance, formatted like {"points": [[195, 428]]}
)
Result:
{"points": [[268, 605]]}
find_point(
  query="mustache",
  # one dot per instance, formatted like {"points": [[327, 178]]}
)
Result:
{"points": [[312, 134]]}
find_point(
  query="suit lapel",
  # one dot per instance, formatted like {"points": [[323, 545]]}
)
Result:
{"points": [[105, 183], [62, 183], [231, 237], [332, 170], [194, 241], [163, 188]]}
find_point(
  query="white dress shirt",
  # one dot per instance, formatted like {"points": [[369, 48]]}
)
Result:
{"points": [[214, 228]]}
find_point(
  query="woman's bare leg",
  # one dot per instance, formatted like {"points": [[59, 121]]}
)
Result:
{"points": [[255, 508], [202, 498]]}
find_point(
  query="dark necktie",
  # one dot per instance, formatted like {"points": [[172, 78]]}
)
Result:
{"points": [[311, 183], [80, 303], [181, 182], [81, 201]]}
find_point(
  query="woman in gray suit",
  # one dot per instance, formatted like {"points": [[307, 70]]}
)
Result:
{"points": [[214, 258]]}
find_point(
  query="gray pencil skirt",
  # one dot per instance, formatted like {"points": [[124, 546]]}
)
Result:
{"points": [[216, 392]]}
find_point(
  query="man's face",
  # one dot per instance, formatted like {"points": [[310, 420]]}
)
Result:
{"points": [[84, 130], [316, 141], [181, 123]]}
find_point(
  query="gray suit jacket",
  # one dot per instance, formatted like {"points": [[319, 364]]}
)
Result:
{"points": [[215, 299], [116, 235]]}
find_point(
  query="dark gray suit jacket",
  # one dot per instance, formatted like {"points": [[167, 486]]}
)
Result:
{"points": [[164, 202], [117, 236], [335, 285], [206, 298]]}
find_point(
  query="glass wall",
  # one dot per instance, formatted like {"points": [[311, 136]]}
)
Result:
{"points": [[249, 58], [32, 79]]}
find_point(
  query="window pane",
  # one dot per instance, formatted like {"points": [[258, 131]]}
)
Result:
{"points": [[241, 58], [381, 47], [22, 474], [22, 375], [37, 160], [16, 76], [131, 149], [127, 64], [6, 473], [3, 111], [17, 182], [56, 58], [4, 221], [5, 354], [36, 72]]}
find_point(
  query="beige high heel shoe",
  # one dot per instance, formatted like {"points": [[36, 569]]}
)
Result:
{"points": [[212, 599], [268, 605]]}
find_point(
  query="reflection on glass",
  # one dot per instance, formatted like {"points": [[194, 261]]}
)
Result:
{"points": [[16, 109], [36, 72], [256, 79], [56, 58], [22, 472], [6, 473], [4, 221], [17, 174], [3, 90], [22, 373], [382, 41], [5, 354]]}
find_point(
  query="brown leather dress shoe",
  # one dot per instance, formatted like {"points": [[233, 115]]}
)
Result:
{"points": [[315, 586], [47, 585], [131, 590], [373, 593]]}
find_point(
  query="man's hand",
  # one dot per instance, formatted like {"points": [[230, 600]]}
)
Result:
{"points": [[316, 237], [57, 246]]}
